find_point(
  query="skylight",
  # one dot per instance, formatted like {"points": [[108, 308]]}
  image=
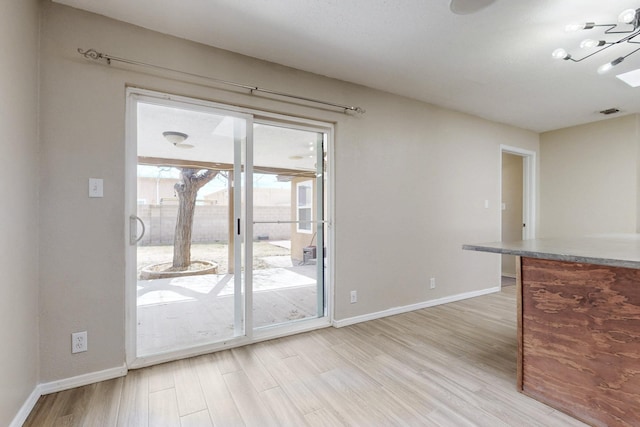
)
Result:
{"points": [[632, 78]]}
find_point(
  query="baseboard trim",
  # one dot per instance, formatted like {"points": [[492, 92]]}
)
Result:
{"points": [[412, 307], [61, 385], [26, 408], [81, 380]]}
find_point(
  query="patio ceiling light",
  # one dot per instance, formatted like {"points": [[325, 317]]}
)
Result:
{"points": [[177, 138]]}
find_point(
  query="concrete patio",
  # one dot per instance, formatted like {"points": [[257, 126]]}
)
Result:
{"points": [[195, 310]]}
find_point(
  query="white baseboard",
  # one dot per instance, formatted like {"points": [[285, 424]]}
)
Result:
{"points": [[412, 307], [80, 380], [26, 409], [65, 384]]}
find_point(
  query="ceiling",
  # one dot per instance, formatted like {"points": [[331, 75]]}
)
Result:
{"points": [[210, 139], [494, 63]]}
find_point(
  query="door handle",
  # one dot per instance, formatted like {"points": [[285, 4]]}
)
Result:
{"points": [[133, 229]]}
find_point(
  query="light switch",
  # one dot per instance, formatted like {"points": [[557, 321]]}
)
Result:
{"points": [[486, 204], [96, 186], [504, 206]]}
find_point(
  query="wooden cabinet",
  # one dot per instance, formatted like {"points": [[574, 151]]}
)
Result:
{"points": [[579, 339]]}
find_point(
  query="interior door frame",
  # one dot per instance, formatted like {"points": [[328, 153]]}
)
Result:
{"points": [[528, 191], [529, 195], [134, 94]]}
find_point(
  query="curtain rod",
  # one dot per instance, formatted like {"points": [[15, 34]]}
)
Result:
{"points": [[95, 55]]}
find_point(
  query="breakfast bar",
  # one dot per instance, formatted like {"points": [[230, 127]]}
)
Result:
{"points": [[579, 324]]}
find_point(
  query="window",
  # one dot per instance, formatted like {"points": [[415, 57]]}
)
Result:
{"points": [[304, 190]]}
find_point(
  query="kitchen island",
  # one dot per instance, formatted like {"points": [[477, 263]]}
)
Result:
{"points": [[579, 324]]}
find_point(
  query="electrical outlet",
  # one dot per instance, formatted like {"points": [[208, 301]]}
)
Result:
{"points": [[432, 283], [354, 297], [79, 342]]}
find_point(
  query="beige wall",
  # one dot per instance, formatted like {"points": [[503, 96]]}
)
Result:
{"points": [[589, 178], [261, 197], [436, 166], [512, 193], [18, 215], [148, 190]]}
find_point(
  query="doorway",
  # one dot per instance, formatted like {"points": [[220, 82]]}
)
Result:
{"points": [[517, 217], [228, 226]]}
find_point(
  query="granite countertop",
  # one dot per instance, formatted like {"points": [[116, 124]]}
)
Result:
{"points": [[617, 250]]}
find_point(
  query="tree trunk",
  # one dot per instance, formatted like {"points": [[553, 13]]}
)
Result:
{"points": [[191, 180]]}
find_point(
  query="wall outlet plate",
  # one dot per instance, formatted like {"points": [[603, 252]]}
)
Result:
{"points": [[79, 342]]}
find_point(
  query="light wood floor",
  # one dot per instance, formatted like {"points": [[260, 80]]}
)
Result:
{"points": [[452, 365]]}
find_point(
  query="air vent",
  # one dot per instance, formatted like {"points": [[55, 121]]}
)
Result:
{"points": [[609, 111]]}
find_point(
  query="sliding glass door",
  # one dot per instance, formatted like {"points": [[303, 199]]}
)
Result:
{"points": [[289, 227], [227, 225], [189, 191]]}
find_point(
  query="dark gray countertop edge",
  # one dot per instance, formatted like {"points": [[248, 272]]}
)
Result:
{"points": [[555, 256]]}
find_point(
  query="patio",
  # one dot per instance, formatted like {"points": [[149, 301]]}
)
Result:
{"points": [[192, 310]]}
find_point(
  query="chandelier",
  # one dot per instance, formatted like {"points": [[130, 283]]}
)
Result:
{"points": [[626, 29]]}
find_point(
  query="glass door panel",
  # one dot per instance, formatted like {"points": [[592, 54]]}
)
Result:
{"points": [[189, 286], [288, 227]]}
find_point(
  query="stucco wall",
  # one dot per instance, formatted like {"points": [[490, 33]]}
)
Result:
{"points": [[300, 240], [435, 166]]}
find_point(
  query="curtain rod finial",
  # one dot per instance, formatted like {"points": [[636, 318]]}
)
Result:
{"points": [[90, 53]]}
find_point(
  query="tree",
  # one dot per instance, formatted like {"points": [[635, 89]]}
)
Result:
{"points": [[191, 180]]}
